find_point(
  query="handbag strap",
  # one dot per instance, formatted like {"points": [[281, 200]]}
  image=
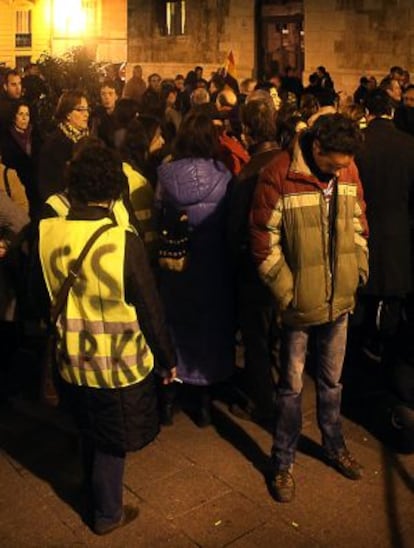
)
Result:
{"points": [[62, 295], [6, 182]]}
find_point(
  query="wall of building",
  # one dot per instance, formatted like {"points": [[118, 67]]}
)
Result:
{"points": [[213, 28], [352, 38]]}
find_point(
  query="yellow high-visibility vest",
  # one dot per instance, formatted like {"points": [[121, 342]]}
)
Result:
{"points": [[100, 343], [59, 202], [141, 195]]}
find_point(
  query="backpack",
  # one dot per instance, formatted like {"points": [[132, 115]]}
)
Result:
{"points": [[173, 251]]}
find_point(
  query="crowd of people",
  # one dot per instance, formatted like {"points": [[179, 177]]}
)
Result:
{"points": [[222, 213]]}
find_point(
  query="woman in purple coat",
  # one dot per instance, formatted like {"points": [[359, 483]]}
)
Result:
{"points": [[199, 300]]}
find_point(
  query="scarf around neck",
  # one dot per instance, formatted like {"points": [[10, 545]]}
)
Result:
{"points": [[72, 133], [23, 138]]}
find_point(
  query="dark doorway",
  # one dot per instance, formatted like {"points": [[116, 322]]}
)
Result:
{"points": [[280, 37]]}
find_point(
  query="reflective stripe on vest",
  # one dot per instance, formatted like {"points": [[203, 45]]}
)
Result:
{"points": [[101, 344], [59, 202]]}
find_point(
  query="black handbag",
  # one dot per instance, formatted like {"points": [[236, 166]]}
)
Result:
{"points": [[173, 251], [49, 391]]}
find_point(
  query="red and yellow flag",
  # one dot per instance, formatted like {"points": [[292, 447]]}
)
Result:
{"points": [[231, 64]]}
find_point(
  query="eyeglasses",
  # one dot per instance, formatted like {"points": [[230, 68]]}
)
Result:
{"points": [[82, 109]]}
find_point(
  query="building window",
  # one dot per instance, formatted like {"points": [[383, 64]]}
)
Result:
{"points": [[24, 29], [172, 17], [90, 10], [21, 62]]}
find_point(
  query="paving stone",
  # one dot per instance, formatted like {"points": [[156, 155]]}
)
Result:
{"points": [[206, 487], [150, 530], [221, 520], [279, 534], [184, 491], [26, 519], [152, 463]]}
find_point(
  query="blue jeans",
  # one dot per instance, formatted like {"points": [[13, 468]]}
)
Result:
{"points": [[330, 347], [103, 477]]}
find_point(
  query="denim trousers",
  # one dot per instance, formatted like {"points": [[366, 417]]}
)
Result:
{"points": [[103, 477], [330, 344]]}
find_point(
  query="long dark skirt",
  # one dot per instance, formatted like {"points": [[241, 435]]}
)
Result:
{"points": [[115, 420]]}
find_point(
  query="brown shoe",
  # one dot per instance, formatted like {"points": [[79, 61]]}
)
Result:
{"points": [[128, 515], [345, 464], [283, 486]]}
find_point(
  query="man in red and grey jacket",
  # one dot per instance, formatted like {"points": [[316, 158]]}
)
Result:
{"points": [[309, 238]]}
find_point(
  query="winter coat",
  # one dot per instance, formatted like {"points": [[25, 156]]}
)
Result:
{"points": [[404, 119], [386, 167], [241, 200], [13, 219], [199, 300], [11, 185], [311, 258], [54, 154], [13, 156]]}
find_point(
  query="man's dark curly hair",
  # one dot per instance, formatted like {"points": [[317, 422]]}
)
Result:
{"points": [[336, 133], [95, 175]]}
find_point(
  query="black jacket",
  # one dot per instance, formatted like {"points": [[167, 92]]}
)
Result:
{"points": [[54, 154], [386, 167], [241, 199]]}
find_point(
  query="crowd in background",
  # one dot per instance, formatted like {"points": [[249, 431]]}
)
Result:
{"points": [[199, 146]]}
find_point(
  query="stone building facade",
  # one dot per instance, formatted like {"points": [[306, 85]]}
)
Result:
{"points": [[350, 37], [358, 37], [169, 43]]}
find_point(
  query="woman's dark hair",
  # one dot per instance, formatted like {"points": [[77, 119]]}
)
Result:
{"points": [[68, 101], [167, 87], [14, 108], [135, 146], [259, 120], [379, 103], [125, 111], [309, 105], [95, 175], [150, 124], [196, 138], [84, 143], [286, 130]]}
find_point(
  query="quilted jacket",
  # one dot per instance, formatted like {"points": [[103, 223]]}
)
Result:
{"points": [[311, 260]]}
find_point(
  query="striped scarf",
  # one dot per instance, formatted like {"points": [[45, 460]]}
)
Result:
{"points": [[72, 133]]}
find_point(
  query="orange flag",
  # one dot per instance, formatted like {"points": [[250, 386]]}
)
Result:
{"points": [[231, 65]]}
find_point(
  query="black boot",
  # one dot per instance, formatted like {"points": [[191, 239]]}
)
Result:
{"points": [[167, 399], [202, 416]]}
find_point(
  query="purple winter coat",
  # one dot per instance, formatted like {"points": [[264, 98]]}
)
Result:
{"points": [[199, 302]]}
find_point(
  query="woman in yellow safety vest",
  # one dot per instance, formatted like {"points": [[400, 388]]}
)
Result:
{"points": [[110, 333]]}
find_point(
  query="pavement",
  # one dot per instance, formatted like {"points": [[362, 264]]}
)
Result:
{"points": [[207, 487]]}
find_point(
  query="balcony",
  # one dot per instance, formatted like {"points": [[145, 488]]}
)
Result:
{"points": [[24, 40]]}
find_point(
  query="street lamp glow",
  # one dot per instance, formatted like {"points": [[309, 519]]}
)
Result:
{"points": [[69, 18]]}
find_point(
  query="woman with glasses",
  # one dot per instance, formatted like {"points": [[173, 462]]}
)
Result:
{"points": [[72, 117]]}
